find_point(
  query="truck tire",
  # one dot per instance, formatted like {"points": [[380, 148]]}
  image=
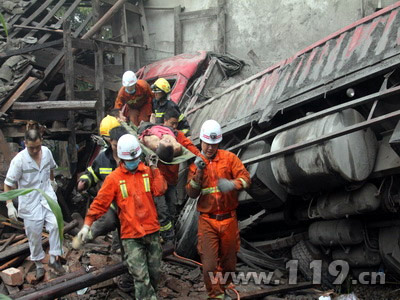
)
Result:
{"points": [[186, 230], [305, 253]]}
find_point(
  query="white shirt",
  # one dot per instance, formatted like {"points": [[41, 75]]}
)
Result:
{"points": [[25, 173]]}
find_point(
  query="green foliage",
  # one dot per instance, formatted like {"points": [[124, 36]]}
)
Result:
{"points": [[3, 22], [4, 297], [52, 204]]}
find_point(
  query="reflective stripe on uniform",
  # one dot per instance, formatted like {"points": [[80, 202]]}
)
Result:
{"points": [[194, 184], [105, 170], [146, 182], [122, 186], [91, 171], [166, 227], [113, 207], [159, 114], [244, 183], [11, 181], [181, 117], [210, 190], [30, 171], [185, 131], [85, 177]]}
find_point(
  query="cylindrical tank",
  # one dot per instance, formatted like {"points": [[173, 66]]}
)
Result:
{"points": [[347, 158], [358, 256], [337, 232], [342, 204]]}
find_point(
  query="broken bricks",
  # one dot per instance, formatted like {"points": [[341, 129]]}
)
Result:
{"points": [[12, 276]]}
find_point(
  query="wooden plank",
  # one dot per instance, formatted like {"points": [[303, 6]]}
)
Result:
{"points": [[143, 23], [178, 45], [37, 28], [83, 44], [221, 29], [17, 94], [56, 105], [15, 18], [197, 14], [30, 49], [49, 15], [56, 91], [123, 44], [129, 6], [31, 17]]}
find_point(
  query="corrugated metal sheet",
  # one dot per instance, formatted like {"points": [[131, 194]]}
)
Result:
{"points": [[368, 46]]}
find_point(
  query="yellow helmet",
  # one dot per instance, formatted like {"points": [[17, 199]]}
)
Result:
{"points": [[107, 124], [161, 84]]}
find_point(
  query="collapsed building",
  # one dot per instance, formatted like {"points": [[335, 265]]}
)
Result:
{"points": [[318, 131]]}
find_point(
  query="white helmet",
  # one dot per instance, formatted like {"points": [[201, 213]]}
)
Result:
{"points": [[128, 147], [129, 79], [211, 132]]}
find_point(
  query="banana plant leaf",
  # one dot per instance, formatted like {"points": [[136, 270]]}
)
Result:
{"points": [[52, 204], [3, 22]]}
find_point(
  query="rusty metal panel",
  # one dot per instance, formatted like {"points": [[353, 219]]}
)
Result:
{"points": [[368, 46]]}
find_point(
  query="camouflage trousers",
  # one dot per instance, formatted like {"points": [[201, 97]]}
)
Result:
{"points": [[143, 256]]}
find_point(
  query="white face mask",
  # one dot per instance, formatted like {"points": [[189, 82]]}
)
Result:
{"points": [[130, 92]]}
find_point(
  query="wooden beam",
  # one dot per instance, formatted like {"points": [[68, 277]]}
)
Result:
{"points": [[197, 14], [33, 28], [30, 49], [124, 38], [143, 23], [56, 105], [96, 27], [99, 71], [69, 94], [221, 28], [83, 25], [129, 6], [178, 44]]}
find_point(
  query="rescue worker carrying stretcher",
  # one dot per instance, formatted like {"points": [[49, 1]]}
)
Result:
{"points": [[134, 99], [166, 204], [132, 186], [161, 88], [216, 178]]}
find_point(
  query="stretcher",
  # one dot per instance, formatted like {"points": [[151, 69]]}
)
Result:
{"points": [[186, 154]]}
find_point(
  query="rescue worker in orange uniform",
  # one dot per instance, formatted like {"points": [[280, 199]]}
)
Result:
{"points": [[132, 186], [134, 99], [216, 178]]}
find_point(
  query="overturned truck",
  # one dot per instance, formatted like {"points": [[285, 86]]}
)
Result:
{"points": [[320, 135]]}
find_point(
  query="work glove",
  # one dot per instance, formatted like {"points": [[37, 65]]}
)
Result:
{"points": [[12, 211], [225, 185], [83, 233], [199, 162], [54, 185], [152, 160]]}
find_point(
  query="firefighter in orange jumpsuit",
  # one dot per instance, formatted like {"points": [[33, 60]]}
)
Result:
{"points": [[132, 186], [134, 99], [216, 178]]}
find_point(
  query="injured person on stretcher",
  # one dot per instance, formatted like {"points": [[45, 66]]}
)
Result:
{"points": [[160, 139]]}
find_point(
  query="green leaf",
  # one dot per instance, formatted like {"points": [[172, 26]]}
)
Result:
{"points": [[52, 204], [3, 22], [4, 297]]}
